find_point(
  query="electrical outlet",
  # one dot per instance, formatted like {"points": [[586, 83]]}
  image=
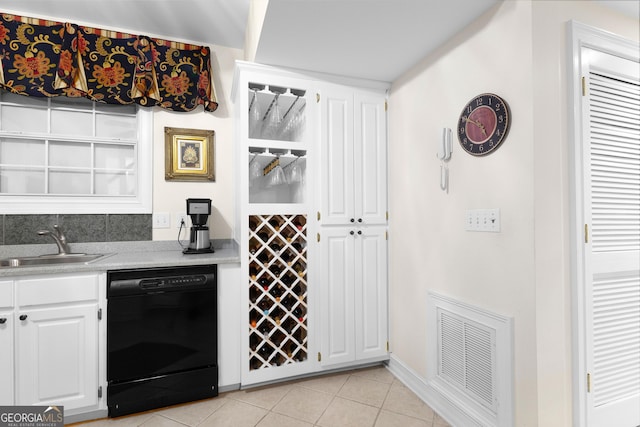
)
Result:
{"points": [[180, 217], [161, 219]]}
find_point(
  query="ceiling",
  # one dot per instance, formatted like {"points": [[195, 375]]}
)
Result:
{"points": [[375, 39]]}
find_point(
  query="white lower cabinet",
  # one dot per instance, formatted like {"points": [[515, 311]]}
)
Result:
{"points": [[353, 295], [6, 342], [57, 356], [56, 330]]}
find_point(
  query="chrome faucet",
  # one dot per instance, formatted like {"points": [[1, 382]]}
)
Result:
{"points": [[59, 237]]}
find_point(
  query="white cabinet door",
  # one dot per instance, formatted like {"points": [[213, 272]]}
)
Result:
{"points": [[370, 158], [57, 360], [336, 166], [353, 158], [6, 342], [337, 296], [371, 292], [6, 358], [354, 294]]}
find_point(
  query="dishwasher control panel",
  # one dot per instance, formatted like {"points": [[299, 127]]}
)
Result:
{"points": [[131, 282]]}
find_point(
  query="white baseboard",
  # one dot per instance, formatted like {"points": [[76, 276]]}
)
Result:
{"points": [[451, 413]]}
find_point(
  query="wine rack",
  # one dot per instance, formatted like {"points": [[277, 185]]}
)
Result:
{"points": [[277, 290]]}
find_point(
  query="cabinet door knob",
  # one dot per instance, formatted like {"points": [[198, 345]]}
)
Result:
{"points": [[359, 219], [352, 220], [3, 320], [359, 231], [351, 232], [23, 317]]}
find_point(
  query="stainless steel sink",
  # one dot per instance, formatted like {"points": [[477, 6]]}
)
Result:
{"points": [[33, 261]]}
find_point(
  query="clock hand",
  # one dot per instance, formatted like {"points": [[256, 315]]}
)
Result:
{"points": [[477, 123]]}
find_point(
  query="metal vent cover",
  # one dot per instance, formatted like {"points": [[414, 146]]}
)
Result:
{"points": [[470, 360], [467, 357]]}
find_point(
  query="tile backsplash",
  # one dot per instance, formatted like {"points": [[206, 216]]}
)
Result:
{"points": [[23, 229]]}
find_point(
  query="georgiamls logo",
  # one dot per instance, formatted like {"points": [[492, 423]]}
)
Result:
{"points": [[32, 416], [52, 408]]}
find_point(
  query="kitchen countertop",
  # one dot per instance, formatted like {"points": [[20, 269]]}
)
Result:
{"points": [[119, 255]]}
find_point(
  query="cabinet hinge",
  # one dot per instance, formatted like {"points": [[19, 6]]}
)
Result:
{"points": [[317, 97], [588, 382], [387, 215], [386, 105], [584, 86], [100, 392], [387, 346], [386, 235], [586, 233], [318, 215], [318, 236], [99, 314], [319, 357]]}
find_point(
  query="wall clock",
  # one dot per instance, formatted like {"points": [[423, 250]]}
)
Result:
{"points": [[484, 124]]}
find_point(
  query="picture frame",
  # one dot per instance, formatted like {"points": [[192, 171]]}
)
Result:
{"points": [[189, 154]]}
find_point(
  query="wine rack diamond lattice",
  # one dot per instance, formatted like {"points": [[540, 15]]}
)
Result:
{"points": [[277, 290]]}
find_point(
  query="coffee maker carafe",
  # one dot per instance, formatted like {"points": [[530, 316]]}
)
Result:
{"points": [[199, 211]]}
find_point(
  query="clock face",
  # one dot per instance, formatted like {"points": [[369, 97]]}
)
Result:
{"points": [[484, 124]]}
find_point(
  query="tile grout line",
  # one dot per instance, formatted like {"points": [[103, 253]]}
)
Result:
{"points": [[332, 399], [382, 404]]}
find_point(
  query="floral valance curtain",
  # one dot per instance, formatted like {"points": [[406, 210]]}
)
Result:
{"points": [[47, 58]]}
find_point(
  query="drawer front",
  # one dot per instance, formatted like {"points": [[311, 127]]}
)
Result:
{"points": [[6, 294], [57, 289]]}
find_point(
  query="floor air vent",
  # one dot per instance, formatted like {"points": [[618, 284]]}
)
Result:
{"points": [[470, 359]]}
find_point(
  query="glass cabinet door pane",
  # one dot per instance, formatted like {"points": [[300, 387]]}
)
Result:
{"points": [[23, 119], [71, 123], [108, 156], [69, 182], [120, 127], [21, 181], [115, 184], [62, 153], [21, 152]]}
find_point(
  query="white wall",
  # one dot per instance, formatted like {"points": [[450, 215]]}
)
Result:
{"points": [[170, 196], [516, 50], [429, 248]]}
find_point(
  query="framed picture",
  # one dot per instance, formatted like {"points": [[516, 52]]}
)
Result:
{"points": [[188, 155]]}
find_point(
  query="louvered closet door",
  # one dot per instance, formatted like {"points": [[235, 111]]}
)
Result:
{"points": [[612, 207]]}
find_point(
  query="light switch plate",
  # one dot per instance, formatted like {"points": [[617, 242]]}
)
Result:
{"points": [[487, 220], [161, 219]]}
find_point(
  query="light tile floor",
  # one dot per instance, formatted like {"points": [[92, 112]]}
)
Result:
{"points": [[360, 398]]}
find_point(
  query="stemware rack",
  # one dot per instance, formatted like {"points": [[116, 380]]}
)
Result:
{"points": [[277, 290], [262, 164], [264, 101]]}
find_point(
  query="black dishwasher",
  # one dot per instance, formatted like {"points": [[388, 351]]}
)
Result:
{"points": [[161, 337]]}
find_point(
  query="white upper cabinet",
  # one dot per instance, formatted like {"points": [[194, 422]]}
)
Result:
{"points": [[353, 156]]}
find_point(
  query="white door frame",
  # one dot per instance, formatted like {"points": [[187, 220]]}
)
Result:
{"points": [[581, 36]]}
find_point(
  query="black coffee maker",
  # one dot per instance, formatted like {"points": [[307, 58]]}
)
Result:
{"points": [[199, 211]]}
